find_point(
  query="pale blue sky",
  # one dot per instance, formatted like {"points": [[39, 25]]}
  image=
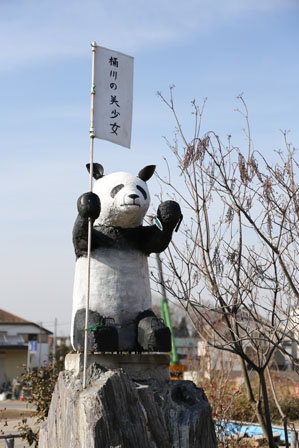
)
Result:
{"points": [[213, 49]]}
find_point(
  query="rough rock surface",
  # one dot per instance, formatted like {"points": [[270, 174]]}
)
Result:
{"points": [[116, 412]]}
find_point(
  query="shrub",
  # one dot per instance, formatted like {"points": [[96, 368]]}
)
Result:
{"points": [[38, 387]]}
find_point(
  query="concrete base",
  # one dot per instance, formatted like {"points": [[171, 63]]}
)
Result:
{"points": [[138, 367]]}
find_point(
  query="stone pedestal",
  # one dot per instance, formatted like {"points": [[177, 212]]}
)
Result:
{"points": [[117, 411], [138, 367]]}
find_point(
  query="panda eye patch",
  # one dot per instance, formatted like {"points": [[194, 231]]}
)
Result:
{"points": [[116, 189], [142, 191]]}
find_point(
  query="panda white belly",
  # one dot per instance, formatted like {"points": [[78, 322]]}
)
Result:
{"points": [[119, 284]]}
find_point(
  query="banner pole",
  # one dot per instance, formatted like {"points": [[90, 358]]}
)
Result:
{"points": [[92, 136]]}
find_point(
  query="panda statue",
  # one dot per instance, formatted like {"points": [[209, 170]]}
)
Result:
{"points": [[120, 314]]}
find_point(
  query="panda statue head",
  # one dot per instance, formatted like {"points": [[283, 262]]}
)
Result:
{"points": [[124, 197]]}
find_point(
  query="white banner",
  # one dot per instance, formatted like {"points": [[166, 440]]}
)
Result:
{"points": [[113, 100]]}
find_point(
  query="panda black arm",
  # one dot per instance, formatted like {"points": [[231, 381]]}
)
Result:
{"points": [[155, 240], [89, 206]]}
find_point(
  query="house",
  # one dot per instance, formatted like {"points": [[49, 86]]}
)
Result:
{"points": [[186, 348], [61, 341], [22, 343]]}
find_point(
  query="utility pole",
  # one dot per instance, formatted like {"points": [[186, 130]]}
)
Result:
{"points": [[54, 339], [40, 343], [28, 357]]}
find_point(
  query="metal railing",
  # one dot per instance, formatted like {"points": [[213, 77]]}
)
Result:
{"points": [[10, 439]]}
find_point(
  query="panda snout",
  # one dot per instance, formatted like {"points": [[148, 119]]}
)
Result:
{"points": [[131, 199]]}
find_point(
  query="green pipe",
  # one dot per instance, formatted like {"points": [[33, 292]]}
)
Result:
{"points": [[165, 314]]}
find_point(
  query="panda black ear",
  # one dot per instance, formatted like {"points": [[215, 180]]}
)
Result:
{"points": [[98, 170], [146, 172]]}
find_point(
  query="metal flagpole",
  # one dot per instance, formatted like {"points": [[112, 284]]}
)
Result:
{"points": [[92, 136]]}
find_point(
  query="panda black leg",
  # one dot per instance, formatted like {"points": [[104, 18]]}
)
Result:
{"points": [[79, 327], [102, 336], [152, 334], [106, 338]]}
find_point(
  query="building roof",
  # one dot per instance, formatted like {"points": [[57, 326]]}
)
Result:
{"points": [[11, 319], [6, 318]]}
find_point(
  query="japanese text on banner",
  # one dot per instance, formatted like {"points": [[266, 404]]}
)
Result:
{"points": [[113, 101]]}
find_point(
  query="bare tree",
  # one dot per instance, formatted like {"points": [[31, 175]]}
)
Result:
{"points": [[238, 247]]}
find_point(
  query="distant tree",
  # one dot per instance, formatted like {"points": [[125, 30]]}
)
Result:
{"points": [[61, 351], [238, 247], [181, 330]]}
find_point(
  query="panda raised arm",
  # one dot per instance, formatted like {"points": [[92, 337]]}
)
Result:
{"points": [[117, 208]]}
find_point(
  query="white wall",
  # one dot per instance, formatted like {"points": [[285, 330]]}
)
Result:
{"points": [[42, 354], [15, 329]]}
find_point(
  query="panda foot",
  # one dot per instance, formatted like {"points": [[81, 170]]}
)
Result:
{"points": [[161, 340], [106, 339], [153, 335]]}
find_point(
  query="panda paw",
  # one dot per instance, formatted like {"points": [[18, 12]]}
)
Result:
{"points": [[169, 213], [153, 335], [89, 205]]}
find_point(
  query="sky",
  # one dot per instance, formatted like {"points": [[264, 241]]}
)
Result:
{"points": [[206, 48]]}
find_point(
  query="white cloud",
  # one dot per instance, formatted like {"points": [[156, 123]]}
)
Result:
{"points": [[32, 31]]}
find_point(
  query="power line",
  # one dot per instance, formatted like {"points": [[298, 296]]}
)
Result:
{"points": [[51, 323]]}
